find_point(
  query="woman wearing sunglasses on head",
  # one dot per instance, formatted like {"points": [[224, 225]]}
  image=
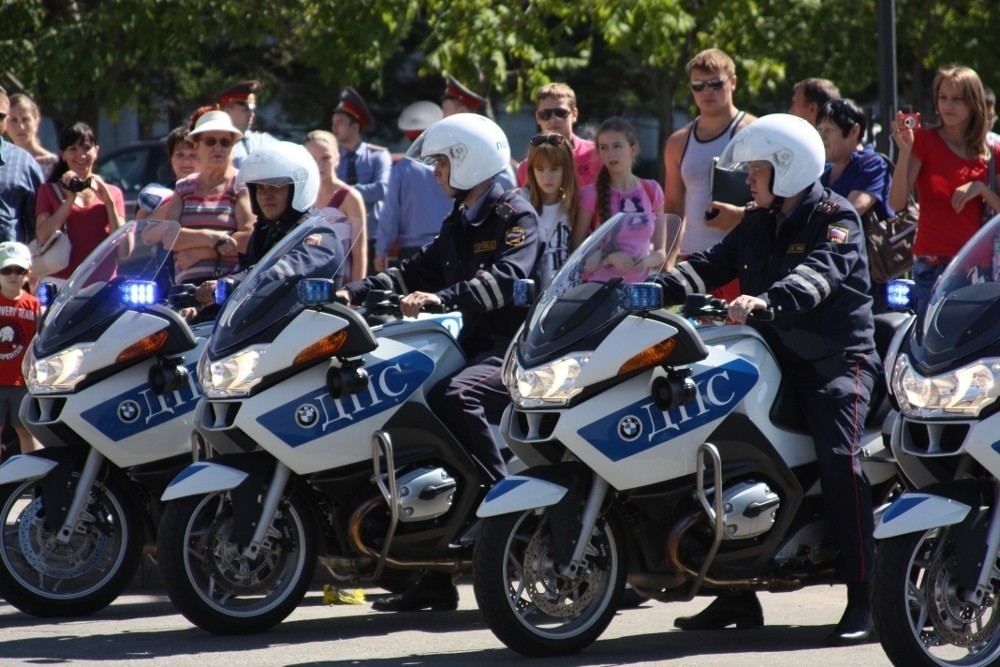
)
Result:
{"points": [[214, 216]]}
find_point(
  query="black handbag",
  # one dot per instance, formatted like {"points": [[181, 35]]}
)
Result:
{"points": [[890, 241]]}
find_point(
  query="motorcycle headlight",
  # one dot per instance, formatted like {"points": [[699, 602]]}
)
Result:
{"points": [[553, 383], [58, 373], [962, 392], [232, 376]]}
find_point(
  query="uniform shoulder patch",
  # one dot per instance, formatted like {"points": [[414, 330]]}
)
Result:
{"points": [[515, 236], [838, 233], [505, 211], [828, 206]]}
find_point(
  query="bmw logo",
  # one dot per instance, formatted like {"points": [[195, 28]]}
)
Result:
{"points": [[629, 428], [306, 415], [128, 411]]}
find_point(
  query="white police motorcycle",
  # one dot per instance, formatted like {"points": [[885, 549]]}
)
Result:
{"points": [[323, 446], [937, 569], [661, 453], [112, 396]]}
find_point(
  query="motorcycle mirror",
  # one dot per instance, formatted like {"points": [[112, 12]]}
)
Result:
{"points": [[139, 293], [524, 292], [223, 289], [642, 296], [900, 294], [316, 291]]}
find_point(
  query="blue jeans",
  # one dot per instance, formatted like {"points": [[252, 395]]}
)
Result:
{"points": [[924, 277]]}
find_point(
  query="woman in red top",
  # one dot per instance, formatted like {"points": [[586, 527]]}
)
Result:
{"points": [[949, 165], [78, 199]]}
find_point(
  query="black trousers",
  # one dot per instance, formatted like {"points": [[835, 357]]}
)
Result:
{"points": [[467, 402], [835, 394]]}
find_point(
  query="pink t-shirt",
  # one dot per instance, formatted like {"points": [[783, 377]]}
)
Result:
{"points": [[586, 162], [645, 197], [86, 226], [940, 230], [633, 238]]}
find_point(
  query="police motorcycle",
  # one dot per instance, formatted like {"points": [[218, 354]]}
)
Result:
{"points": [[662, 450], [112, 395], [323, 448], [937, 568]]}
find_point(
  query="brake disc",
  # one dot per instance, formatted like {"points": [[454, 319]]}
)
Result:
{"points": [[953, 618], [555, 594], [55, 559]]}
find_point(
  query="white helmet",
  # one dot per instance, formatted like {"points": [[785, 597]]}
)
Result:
{"points": [[281, 163], [791, 144], [475, 146], [419, 116]]}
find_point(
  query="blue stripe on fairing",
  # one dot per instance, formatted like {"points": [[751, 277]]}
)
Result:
{"points": [[145, 410], [901, 507], [187, 472], [390, 383], [720, 390], [503, 487]]}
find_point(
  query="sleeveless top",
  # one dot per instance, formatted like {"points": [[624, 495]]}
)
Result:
{"points": [[342, 228], [696, 170], [200, 211]]}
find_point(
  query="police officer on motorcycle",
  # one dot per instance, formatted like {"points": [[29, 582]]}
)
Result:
{"points": [[799, 251], [283, 181], [487, 242]]}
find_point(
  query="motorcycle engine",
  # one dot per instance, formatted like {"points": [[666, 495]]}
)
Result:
{"points": [[425, 493], [749, 510]]}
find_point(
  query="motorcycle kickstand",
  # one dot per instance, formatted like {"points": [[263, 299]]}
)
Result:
{"points": [[268, 509], [80, 494], [591, 510]]}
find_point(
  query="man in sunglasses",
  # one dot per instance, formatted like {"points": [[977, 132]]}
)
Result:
{"points": [[20, 178], [691, 150], [555, 113], [240, 102]]}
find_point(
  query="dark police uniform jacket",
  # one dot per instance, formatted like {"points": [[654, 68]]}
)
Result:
{"points": [[320, 254], [472, 267], [812, 269]]}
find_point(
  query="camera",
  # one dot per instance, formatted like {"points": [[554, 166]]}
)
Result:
{"points": [[911, 120], [77, 184]]}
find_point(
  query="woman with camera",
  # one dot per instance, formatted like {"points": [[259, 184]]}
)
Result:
{"points": [[77, 200]]}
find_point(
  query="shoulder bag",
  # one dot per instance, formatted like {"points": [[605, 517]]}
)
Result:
{"points": [[890, 241], [53, 256]]}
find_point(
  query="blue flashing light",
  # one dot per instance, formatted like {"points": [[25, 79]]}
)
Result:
{"points": [[900, 294], [47, 294], [315, 291], [139, 293], [643, 296], [524, 292], [223, 290]]}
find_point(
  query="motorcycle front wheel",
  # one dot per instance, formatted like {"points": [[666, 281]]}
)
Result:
{"points": [[50, 579], [214, 585], [920, 615], [529, 604]]}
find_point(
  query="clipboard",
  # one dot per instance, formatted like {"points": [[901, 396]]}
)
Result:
{"points": [[729, 187]]}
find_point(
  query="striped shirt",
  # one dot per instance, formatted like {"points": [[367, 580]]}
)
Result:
{"points": [[20, 178], [200, 211]]}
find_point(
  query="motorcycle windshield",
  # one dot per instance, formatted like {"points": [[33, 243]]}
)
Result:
{"points": [[140, 250], [963, 311], [267, 296], [586, 293]]}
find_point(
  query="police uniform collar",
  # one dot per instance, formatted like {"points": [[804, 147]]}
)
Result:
{"points": [[476, 213], [812, 197]]}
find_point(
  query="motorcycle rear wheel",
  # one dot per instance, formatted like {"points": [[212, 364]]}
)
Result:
{"points": [[919, 617], [48, 579], [217, 588], [528, 605]]}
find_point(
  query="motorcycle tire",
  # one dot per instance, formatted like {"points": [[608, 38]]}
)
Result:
{"points": [[918, 618], [217, 588], [513, 573], [47, 579]]}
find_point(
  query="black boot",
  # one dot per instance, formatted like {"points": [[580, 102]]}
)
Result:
{"points": [[742, 609], [855, 625], [434, 591]]}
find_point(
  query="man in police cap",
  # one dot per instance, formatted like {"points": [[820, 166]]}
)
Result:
{"points": [[458, 98], [415, 205], [363, 166], [240, 102]]}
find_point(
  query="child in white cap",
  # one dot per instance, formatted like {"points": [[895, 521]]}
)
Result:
{"points": [[19, 312]]}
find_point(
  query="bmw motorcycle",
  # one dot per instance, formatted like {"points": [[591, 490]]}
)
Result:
{"points": [[662, 451], [937, 568], [112, 395], [322, 448]]}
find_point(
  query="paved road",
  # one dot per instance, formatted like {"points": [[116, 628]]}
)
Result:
{"points": [[142, 629]]}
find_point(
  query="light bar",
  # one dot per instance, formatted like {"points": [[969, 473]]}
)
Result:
{"points": [[642, 296], [315, 291], [524, 292], [47, 294], [900, 294], [139, 293], [223, 290]]}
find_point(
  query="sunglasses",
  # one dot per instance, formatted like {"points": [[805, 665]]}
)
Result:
{"points": [[211, 141], [8, 270], [542, 139], [546, 114], [714, 84]]}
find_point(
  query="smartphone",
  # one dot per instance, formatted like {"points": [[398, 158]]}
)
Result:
{"points": [[911, 120]]}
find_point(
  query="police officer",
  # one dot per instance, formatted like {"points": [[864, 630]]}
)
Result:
{"points": [[487, 242], [459, 98], [799, 251], [283, 181], [240, 102]]}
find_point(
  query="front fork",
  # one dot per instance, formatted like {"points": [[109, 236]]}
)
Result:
{"points": [[588, 520], [988, 567], [268, 510], [91, 467]]}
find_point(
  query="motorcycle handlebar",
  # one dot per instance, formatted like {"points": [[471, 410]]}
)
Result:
{"points": [[706, 306], [384, 302]]}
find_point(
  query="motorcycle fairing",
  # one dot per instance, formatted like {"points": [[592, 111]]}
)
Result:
{"points": [[532, 493], [202, 478], [914, 512], [22, 467]]}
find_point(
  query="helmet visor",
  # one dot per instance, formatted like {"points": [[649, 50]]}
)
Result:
{"points": [[416, 150]]}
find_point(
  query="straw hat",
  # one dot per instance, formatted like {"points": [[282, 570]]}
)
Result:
{"points": [[215, 121]]}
